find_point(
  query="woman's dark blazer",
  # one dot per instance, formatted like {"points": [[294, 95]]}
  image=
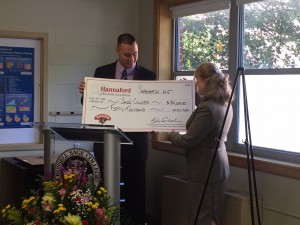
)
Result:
{"points": [[200, 141]]}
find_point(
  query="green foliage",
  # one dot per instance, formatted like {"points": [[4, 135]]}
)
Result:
{"points": [[271, 36], [205, 38]]}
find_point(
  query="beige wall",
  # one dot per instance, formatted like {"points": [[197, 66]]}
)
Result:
{"points": [[82, 35], [280, 195]]}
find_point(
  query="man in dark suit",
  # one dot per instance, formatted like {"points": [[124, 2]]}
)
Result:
{"points": [[133, 157]]}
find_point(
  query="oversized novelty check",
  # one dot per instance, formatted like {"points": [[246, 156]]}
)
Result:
{"points": [[134, 105]]}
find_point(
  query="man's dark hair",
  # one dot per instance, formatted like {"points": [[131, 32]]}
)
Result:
{"points": [[126, 39]]}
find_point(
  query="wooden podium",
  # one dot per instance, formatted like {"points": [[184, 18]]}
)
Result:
{"points": [[111, 136]]}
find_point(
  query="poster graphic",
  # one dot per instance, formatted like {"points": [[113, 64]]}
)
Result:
{"points": [[16, 87]]}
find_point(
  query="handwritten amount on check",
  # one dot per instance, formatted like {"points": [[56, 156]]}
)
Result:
{"points": [[136, 105]]}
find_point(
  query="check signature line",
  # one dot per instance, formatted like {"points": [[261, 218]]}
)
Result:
{"points": [[157, 109], [113, 101], [156, 102], [93, 107]]}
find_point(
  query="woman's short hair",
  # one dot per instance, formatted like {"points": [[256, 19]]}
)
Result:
{"points": [[217, 86]]}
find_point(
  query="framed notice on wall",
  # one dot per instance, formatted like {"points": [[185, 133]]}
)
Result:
{"points": [[21, 94], [16, 87]]}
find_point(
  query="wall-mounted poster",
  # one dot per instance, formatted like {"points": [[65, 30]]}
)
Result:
{"points": [[21, 90], [16, 87]]}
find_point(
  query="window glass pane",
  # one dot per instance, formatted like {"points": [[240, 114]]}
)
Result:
{"points": [[202, 38], [272, 34], [274, 109]]}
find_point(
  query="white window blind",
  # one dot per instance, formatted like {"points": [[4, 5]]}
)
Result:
{"points": [[199, 7], [242, 2]]}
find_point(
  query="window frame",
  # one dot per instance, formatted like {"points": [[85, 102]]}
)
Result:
{"points": [[163, 64], [273, 154]]}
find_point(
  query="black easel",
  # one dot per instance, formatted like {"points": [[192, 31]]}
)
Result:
{"points": [[248, 144]]}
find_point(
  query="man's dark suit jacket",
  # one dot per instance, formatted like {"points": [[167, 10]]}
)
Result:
{"points": [[133, 157], [139, 150]]}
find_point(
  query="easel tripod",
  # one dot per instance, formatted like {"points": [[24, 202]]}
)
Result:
{"points": [[249, 151]]}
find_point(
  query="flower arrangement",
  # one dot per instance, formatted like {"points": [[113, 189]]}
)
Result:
{"points": [[72, 200]]}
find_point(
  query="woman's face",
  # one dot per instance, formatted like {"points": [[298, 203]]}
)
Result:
{"points": [[200, 84]]}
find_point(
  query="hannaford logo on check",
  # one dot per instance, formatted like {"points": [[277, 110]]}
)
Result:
{"points": [[102, 118]]}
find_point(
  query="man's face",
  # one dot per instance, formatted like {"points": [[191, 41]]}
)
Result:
{"points": [[128, 54]]}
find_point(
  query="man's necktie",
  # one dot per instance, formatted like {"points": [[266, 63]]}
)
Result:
{"points": [[124, 75]]}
